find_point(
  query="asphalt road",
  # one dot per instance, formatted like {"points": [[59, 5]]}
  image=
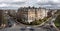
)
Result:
{"points": [[16, 27], [23, 29]]}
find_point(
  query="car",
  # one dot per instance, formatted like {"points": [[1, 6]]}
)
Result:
{"points": [[28, 27]]}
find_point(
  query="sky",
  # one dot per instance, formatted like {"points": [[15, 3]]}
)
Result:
{"points": [[14, 4]]}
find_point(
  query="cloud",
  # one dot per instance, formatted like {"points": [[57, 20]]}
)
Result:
{"points": [[13, 0], [49, 3], [26, 3], [46, 1], [12, 3]]}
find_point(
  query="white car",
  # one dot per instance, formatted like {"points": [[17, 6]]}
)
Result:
{"points": [[28, 27]]}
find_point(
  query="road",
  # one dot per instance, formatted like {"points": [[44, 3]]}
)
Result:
{"points": [[29, 28], [50, 24], [45, 27], [23, 29], [17, 27]]}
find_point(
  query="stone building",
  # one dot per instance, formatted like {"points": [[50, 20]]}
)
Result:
{"points": [[51, 12], [12, 13], [29, 14], [1, 12], [4, 16]]}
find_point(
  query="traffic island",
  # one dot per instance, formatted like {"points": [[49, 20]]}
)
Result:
{"points": [[36, 22]]}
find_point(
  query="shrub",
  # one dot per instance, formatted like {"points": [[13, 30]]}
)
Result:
{"points": [[57, 21]]}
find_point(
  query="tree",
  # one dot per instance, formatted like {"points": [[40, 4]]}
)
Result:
{"points": [[57, 21]]}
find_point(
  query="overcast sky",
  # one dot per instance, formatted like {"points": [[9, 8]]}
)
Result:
{"points": [[25, 3]]}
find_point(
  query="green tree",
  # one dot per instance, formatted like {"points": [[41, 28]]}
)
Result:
{"points": [[57, 21]]}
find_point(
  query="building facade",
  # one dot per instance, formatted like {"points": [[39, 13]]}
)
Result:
{"points": [[29, 14]]}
